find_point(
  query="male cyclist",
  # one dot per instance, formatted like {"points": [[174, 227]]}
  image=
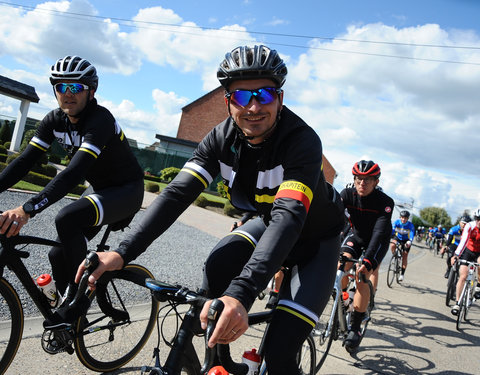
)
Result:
{"points": [[369, 212], [439, 235], [403, 231], [469, 250], [271, 164], [99, 153], [453, 239]]}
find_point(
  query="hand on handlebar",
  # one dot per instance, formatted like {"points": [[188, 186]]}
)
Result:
{"points": [[12, 221], [233, 321], [108, 261]]}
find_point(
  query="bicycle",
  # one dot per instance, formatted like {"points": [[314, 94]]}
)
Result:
{"points": [[182, 357], [452, 284], [467, 296], [334, 322], [395, 266], [118, 323]]}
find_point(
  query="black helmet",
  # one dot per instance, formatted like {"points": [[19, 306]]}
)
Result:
{"points": [[405, 213], [476, 214], [366, 168], [252, 63], [74, 68], [465, 219]]}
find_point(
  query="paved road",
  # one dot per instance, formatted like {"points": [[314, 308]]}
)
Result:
{"points": [[412, 331]]}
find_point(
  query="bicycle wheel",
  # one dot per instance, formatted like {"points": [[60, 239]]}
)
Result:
{"points": [[306, 357], [461, 310], [451, 286], [11, 324], [325, 332], [119, 321], [468, 300], [392, 270]]}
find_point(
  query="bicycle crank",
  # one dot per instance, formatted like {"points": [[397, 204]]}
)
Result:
{"points": [[54, 342]]}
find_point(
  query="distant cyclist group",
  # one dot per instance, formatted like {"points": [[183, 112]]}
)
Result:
{"points": [[271, 165]]}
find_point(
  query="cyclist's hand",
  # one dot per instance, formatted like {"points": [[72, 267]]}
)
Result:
{"points": [[233, 321], [408, 244], [108, 261], [15, 219], [362, 270], [453, 260]]}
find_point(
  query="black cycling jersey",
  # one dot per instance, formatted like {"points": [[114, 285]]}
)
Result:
{"points": [[100, 151], [371, 220], [283, 183]]}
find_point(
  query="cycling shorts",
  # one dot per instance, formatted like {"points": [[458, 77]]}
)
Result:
{"points": [[470, 256], [403, 242]]}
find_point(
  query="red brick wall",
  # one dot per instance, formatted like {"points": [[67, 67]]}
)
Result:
{"points": [[200, 116]]}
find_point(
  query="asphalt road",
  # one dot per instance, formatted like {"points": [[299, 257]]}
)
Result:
{"points": [[412, 331]]}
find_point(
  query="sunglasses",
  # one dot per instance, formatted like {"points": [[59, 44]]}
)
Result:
{"points": [[264, 95], [74, 88]]}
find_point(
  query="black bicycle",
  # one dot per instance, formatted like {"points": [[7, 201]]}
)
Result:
{"points": [[334, 322], [395, 266], [452, 284], [118, 323], [183, 358]]}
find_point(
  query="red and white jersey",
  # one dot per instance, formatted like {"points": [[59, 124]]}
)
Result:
{"points": [[470, 239]]}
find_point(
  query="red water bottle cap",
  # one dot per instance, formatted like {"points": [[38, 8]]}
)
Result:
{"points": [[345, 296], [252, 355], [217, 370], [44, 279]]}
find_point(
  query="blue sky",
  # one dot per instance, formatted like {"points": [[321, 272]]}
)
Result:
{"points": [[396, 82]]}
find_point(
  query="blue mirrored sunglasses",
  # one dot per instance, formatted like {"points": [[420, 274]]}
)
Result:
{"points": [[74, 88], [264, 95]]}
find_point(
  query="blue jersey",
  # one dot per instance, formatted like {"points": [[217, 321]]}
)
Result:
{"points": [[403, 232], [439, 233], [456, 233]]}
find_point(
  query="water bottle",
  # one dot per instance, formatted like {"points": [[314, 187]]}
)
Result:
{"points": [[46, 283], [345, 297], [217, 370], [252, 359]]}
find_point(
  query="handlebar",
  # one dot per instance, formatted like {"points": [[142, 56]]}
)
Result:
{"points": [[91, 263]]}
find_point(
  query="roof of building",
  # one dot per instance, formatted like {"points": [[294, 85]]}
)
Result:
{"points": [[18, 90]]}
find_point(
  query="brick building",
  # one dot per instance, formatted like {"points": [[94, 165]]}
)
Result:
{"points": [[200, 116]]}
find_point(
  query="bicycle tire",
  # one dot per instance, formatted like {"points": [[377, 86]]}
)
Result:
{"points": [[468, 300], [322, 328], [451, 286], [107, 338], [392, 269], [306, 357], [461, 309], [11, 324]]}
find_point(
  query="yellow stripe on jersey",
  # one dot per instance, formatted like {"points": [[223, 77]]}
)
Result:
{"points": [[195, 174], [89, 151]]}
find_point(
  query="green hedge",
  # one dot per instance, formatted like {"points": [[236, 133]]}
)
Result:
{"points": [[3, 157], [3, 150]]}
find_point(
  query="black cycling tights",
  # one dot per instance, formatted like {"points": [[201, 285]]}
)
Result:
{"points": [[303, 297], [81, 220]]}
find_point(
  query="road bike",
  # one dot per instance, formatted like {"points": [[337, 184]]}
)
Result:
{"points": [[395, 266], [452, 284], [334, 323], [182, 357], [121, 316], [467, 297]]}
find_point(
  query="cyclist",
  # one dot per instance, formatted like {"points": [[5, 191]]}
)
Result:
{"points": [[99, 153], [453, 239], [271, 163], [439, 235], [469, 250], [369, 212], [403, 231]]}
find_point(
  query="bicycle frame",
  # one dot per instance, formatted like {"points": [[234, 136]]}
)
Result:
{"points": [[12, 259]]}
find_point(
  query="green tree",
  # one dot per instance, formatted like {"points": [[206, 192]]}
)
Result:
{"points": [[435, 216], [5, 133]]}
